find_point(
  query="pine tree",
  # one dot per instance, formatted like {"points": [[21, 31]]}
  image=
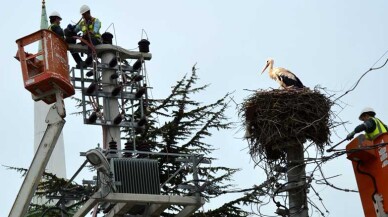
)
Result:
{"points": [[186, 124]]}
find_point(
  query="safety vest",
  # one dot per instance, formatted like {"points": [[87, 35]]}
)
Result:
{"points": [[90, 27], [380, 128], [50, 27]]}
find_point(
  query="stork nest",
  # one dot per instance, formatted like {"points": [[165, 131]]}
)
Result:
{"points": [[278, 119]]}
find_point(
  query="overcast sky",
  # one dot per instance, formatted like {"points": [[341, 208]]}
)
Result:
{"points": [[327, 43]]}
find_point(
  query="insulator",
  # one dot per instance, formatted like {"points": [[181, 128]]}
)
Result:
{"points": [[142, 121], [118, 119], [89, 60], [107, 38], [91, 88], [128, 146], [112, 147], [139, 130], [113, 62], [140, 92], [113, 144], [137, 65], [114, 76], [144, 46], [90, 73], [137, 78], [144, 146], [116, 91], [92, 118]]}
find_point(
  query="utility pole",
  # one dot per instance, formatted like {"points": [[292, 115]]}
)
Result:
{"points": [[296, 186], [273, 120], [111, 105]]}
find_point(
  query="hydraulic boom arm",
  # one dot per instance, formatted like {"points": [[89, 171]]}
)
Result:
{"points": [[55, 121]]}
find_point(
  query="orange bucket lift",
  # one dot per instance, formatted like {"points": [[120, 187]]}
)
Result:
{"points": [[370, 164], [47, 71]]}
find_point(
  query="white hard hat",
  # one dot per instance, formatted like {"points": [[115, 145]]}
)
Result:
{"points": [[83, 9], [367, 110], [55, 14]]}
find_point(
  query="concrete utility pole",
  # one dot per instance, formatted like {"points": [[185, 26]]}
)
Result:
{"points": [[111, 105], [296, 186]]}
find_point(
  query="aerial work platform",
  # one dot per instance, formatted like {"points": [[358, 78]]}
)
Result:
{"points": [[47, 70], [370, 164], [46, 76]]}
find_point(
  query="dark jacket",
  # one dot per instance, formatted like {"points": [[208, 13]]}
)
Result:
{"points": [[57, 29]]}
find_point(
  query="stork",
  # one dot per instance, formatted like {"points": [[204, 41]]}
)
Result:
{"points": [[284, 77]]}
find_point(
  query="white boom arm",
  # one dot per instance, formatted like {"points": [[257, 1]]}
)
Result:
{"points": [[55, 121]]}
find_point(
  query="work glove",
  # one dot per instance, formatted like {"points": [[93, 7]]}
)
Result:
{"points": [[70, 27], [350, 135]]}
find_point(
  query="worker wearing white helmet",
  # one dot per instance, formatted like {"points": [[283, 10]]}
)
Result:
{"points": [[372, 125], [55, 24], [55, 14], [84, 9], [90, 27]]}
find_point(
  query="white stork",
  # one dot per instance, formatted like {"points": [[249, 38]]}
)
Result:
{"points": [[284, 77]]}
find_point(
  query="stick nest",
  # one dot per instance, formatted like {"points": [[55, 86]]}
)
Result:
{"points": [[278, 119]]}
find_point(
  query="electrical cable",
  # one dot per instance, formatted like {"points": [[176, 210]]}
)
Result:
{"points": [[268, 168], [316, 207], [278, 204], [328, 183], [93, 103], [142, 30], [320, 199], [106, 183], [366, 147], [358, 81], [353, 150], [370, 176]]}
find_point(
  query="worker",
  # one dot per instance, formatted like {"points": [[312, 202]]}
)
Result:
{"points": [[90, 27], [55, 21], [372, 125]]}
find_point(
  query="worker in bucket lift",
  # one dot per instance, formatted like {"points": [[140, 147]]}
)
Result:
{"points": [[90, 27], [55, 24], [372, 125]]}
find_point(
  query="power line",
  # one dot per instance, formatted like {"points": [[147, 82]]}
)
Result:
{"points": [[369, 70]]}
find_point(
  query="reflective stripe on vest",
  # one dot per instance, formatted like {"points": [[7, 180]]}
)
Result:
{"points": [[380, 128], [49, 28], [84, 28]]}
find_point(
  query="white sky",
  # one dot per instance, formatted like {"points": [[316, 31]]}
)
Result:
{"points": [[327, 43]]}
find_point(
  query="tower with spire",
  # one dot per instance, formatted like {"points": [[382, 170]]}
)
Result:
{"points": [[56, 165]]}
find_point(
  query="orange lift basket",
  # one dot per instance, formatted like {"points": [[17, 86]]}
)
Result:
{"points": [[47, 71], [372, 171]]}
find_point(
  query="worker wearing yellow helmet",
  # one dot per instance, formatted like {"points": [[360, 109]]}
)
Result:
{"points": [[372, 125], [55, 24]]}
